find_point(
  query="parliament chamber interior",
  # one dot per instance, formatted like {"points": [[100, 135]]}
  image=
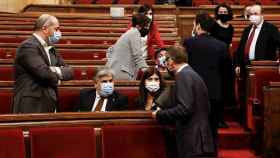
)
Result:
{"points": [[88, 30]]}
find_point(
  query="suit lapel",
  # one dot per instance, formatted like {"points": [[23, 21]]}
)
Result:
{"points": [[91, 100], [43, 52], [260, 40]]}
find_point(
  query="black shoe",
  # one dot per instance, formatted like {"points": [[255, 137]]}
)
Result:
{"points": [[222, 124]]}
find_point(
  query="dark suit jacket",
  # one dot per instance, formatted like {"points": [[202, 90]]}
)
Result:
{"points": [[207, 56], [116, 101], [36, 85], [267, 43], [191, 115]]}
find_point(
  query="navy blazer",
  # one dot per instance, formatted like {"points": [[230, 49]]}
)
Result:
{"points": [[115, 101], [267, 43], [207, 56]]}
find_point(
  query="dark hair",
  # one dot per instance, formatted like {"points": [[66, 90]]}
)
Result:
{"points": [[141, 20], [143, 9], [205, 20], [178, 54], [142, 89], [223, 5], [158, 51]]}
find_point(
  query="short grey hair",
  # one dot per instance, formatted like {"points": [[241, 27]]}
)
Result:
{"points": [[44, 20], [104, 72]]}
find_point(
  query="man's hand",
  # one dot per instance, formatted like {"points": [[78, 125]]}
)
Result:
{"points": [[154, 113], [237, 71]]}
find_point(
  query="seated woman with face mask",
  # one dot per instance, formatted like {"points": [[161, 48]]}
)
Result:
{"points": [[150, 88]]}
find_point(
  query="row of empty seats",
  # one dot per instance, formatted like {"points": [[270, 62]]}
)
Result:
{"points": [[235, 2], [118, 141], [115, 2]]}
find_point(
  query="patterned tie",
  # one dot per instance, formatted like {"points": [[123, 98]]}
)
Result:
{"points": [[248, 44], [99, 105]]}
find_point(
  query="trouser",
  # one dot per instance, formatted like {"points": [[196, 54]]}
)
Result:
{"points": [[215, 116]]}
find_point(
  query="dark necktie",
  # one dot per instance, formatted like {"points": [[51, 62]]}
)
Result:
{"points": [[248, 44], [99, 104]]}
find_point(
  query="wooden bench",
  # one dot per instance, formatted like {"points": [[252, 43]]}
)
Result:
{"points": [[259, 74], [271, 125], [69, 93]]}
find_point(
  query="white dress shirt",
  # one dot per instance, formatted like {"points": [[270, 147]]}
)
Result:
{"points": [[47, 51], [97, 98], [254, 41]]}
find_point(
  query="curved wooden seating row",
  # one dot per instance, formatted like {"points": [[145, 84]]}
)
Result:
{"points": [[74, 17], [82, 29], [79, 39], [259, 75], [91, 24], [83, 34], [158, 9], [69, 93], [82, 69]]}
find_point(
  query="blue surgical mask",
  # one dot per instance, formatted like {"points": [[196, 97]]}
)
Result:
{"points": [[162, 61], [55, 37], [106, 89]]}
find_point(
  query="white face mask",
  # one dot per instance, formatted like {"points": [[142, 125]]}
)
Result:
{"points": [[152, 86], [255, 19], [150, 17]]}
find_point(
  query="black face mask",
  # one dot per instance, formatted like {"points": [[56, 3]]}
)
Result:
{"points": [[224, 17], [144, 32]]}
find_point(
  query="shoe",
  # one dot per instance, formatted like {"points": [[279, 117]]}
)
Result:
{"points": [[222, 124]]}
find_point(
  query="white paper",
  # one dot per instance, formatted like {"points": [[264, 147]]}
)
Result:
{"points": [[117, 11]]}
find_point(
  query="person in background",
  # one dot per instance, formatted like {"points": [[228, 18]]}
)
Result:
{"points": [[150, 88], [207, 56], [153, 36], [125, 57], [160, 59], [190, 109], [39, 69], [223, 31], [103, 96]]}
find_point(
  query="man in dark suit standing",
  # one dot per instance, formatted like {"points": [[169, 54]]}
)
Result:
{"points": [[207, 56], [259, 41], [190, 110], [39, 69], [102, 97]]}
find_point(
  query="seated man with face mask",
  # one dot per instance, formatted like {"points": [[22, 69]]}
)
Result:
{"points": [[102, 97]]}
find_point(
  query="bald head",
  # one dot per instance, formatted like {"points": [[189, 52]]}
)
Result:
{"points": [[255, 9], [45, 20]]}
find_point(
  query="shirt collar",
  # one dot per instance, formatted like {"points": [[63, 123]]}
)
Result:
{"points": [[97, 96], [259, 25], [41, 40], [181, 68]]}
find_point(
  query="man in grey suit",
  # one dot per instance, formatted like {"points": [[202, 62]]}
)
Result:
{"points": [[125, 57], [39, 69], [190, 109]]}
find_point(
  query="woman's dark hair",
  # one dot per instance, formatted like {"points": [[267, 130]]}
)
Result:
{"points": [[223, 5], [143, 9], [158, 51], [142, 89]]}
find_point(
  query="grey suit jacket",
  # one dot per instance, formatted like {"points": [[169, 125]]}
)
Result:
{"points": [[125, 57], [190, 113], [36, 85]]}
